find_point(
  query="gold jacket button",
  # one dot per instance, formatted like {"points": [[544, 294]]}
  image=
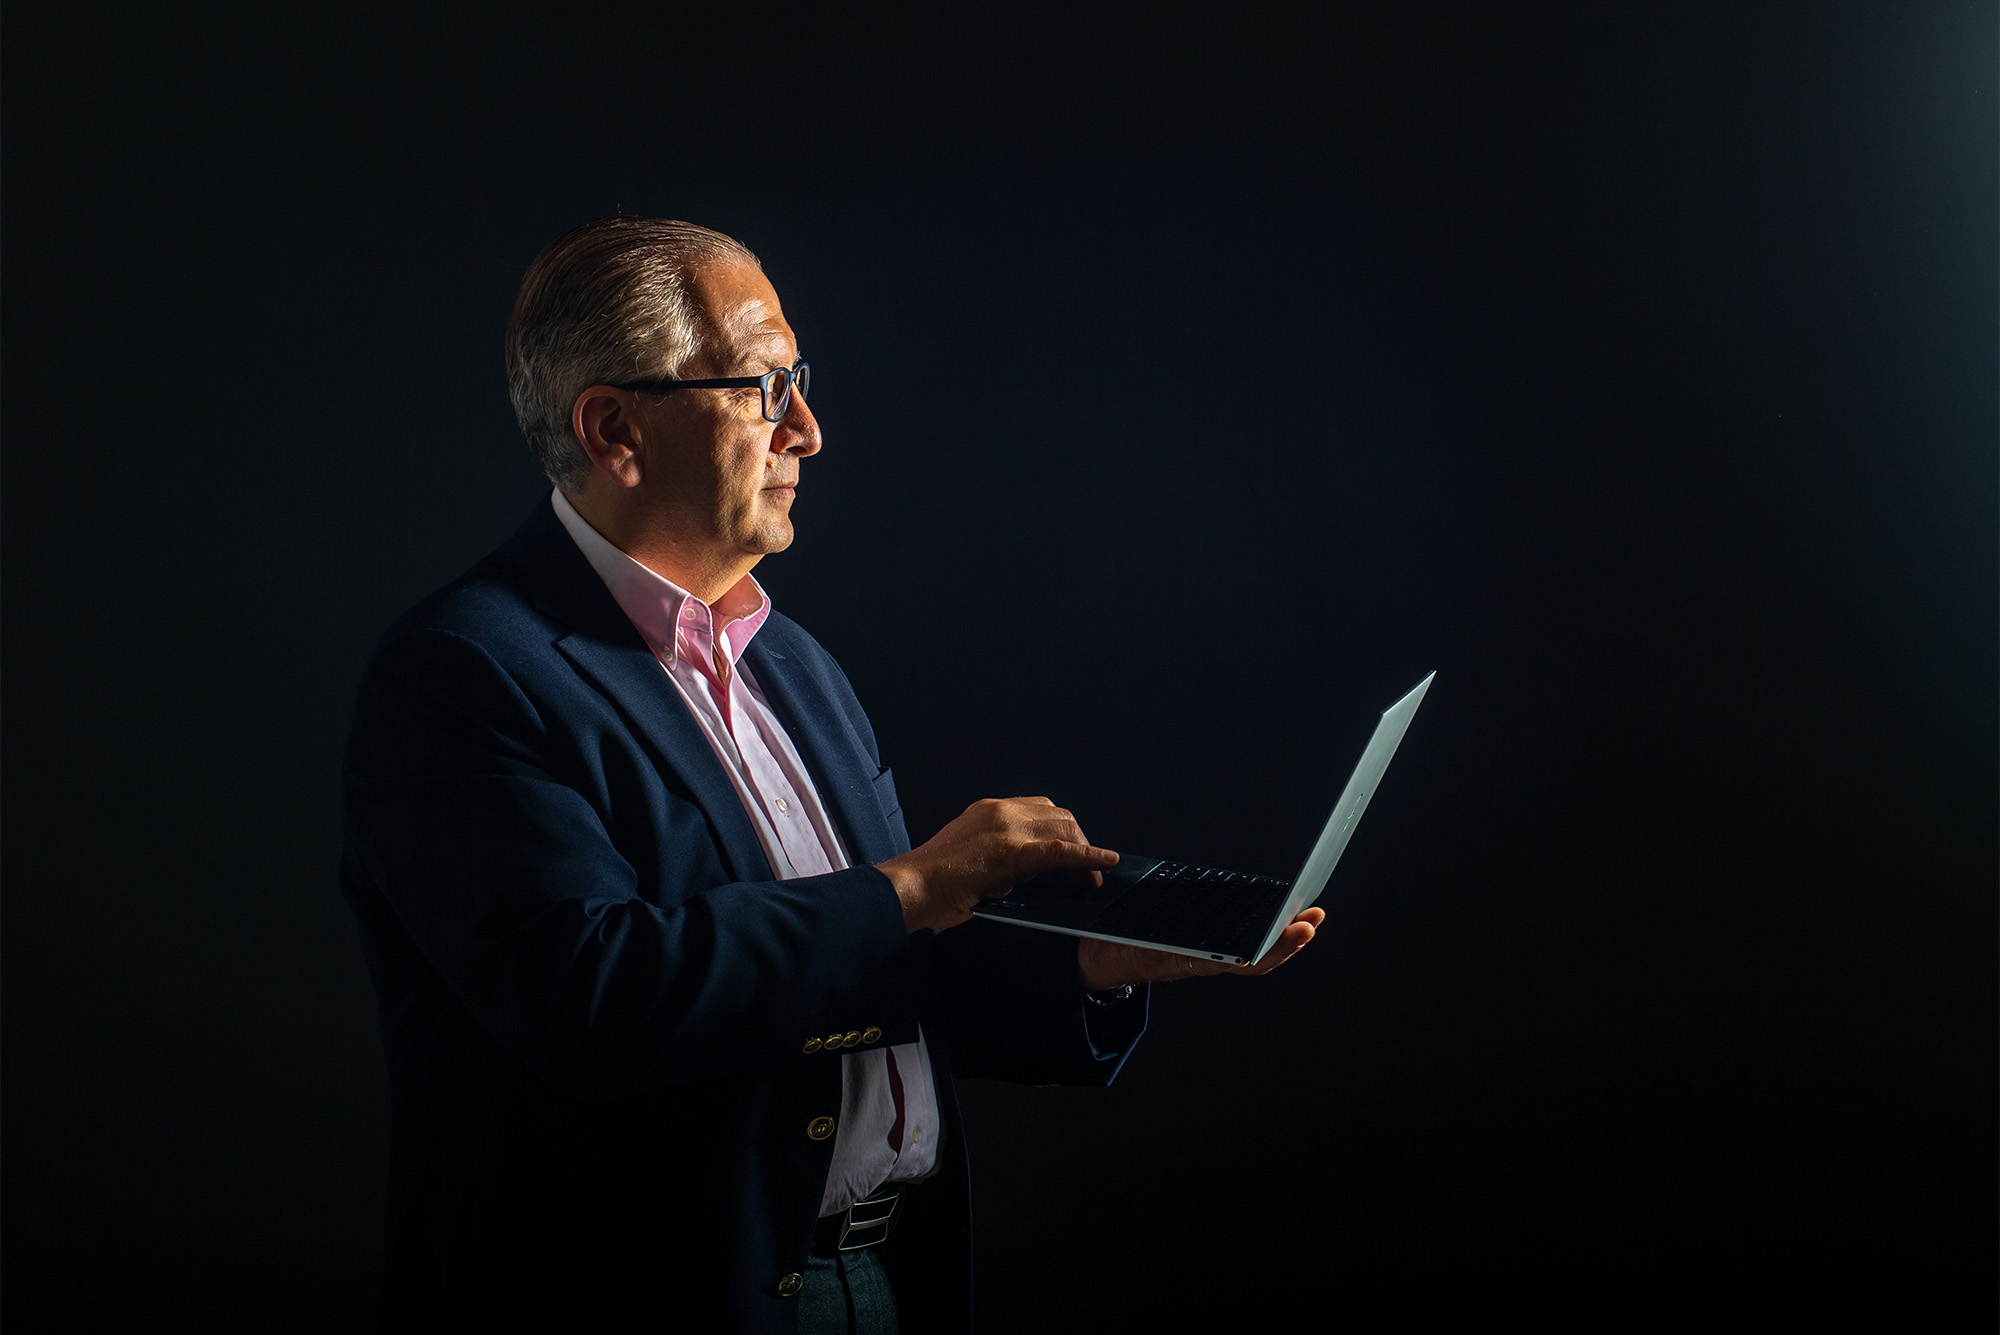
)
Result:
{"points": [[851, 1039], [819, 1128], [870, 1034], [812, 1045], [833, 1040], [788, 1285]]}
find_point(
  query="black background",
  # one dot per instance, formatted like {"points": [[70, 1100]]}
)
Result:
{"points": [[1192, 383]]}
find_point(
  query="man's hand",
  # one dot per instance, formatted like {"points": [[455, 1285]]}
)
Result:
{"points": [[993, 847], [1104, 965]]}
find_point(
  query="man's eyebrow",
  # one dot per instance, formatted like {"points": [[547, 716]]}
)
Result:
{"points": [[756, 363]]}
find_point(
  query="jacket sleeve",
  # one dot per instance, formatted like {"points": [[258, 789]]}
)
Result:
{"points": [[511, 887]]}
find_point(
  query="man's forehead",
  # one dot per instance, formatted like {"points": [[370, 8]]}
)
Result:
{"points": [[745, 311]]}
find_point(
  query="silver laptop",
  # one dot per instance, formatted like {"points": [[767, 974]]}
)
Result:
{"points": [[1231, 916]]}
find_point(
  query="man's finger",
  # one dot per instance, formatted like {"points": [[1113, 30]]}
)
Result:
{"points": [[1290, 942], [1056, 854]]}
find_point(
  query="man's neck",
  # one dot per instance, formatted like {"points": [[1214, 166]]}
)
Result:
{"points": [[709, 573]]}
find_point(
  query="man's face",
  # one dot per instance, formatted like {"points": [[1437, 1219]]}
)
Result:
{"points": [[720, 475]]}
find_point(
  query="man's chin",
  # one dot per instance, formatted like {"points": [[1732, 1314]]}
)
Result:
{"points": [[770, 538]]}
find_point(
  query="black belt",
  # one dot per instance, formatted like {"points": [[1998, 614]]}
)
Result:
{"points": [[862, 1224]]}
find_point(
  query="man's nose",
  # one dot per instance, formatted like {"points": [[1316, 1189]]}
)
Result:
{"points": [[798, 430]]}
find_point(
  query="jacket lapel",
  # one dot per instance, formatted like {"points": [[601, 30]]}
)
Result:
{"points": [[637, 686], [608, 652], [833, 755]]}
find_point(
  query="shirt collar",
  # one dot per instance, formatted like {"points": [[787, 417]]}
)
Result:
{"points": [[673, 621]]}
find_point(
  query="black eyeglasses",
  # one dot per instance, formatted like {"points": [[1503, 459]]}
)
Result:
{"points": [[776, 387]]}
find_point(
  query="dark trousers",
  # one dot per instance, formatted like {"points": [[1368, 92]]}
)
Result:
{"points": [[848, 1294]]}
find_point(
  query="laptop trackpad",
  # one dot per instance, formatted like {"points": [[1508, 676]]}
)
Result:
{"points": [[1055, 910], [1061, 899]]}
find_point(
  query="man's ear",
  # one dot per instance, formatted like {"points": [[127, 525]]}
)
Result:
{"points": [[607, 427]]}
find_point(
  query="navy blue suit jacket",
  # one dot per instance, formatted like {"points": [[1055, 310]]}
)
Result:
{"points": [[597, 1003]]}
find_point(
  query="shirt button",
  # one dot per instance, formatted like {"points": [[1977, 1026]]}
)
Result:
{"points": [[784, 807]]}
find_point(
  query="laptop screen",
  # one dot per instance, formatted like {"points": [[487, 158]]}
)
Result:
{"points": [[1347, 811]]}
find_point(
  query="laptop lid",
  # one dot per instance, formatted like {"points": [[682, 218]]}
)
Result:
{"points": [[1368, 771]]}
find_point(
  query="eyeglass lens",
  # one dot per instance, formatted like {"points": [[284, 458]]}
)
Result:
{"points": [[778, 390]]}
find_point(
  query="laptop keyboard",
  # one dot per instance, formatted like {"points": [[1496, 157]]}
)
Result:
{"points": [[1199, 907]]}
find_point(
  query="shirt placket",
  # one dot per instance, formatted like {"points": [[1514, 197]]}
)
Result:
{"points": [[698, 646], [788, 815], [710, 654]]}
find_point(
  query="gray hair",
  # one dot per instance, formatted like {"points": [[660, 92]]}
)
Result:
{"points": [[605, 303]]}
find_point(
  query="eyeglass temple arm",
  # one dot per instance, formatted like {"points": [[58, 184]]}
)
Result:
{"points": [[668, 386], [728, 382]]}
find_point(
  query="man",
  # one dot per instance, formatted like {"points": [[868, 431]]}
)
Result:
{"points": [[672, 1007]]}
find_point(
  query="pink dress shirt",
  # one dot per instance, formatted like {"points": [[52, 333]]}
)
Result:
{"points": [[884, 1091]]}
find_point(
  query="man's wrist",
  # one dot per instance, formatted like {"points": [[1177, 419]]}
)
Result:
{"points": [[908, 883], [1089, 954]]}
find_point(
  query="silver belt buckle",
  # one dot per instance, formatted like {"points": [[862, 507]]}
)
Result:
{"points": [[868, 1222]]}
